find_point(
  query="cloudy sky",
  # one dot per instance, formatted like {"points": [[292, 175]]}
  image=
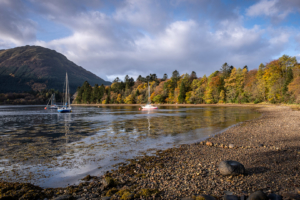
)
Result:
{"points": [[117, 37]]}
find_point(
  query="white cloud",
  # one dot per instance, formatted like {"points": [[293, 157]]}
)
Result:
{"points": [[15, 26], [277, 10], [142, 37]]}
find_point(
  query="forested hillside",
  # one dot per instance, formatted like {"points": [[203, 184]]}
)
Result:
{"points": [[275, 82], [28, 68]]}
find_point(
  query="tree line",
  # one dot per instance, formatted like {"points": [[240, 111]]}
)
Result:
{"points": [[275, 82], [30, 98]]}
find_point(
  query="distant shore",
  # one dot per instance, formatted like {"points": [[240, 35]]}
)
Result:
{"points": [[268, 147], [182, 105]]}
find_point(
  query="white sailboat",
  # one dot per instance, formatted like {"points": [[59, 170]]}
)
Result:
{"points": [[66, 100], [53, 102], [148, 106]]}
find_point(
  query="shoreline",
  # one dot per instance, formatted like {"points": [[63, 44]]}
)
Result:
{"points": [[183, 105], [268, 147]]}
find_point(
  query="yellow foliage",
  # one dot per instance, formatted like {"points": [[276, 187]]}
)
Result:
{"points": [[142, 86], [129, 99], [188, 96], [104, 102], [140, 99], [119, 98]]}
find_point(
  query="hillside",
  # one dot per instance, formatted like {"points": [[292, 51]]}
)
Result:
{"points": [[35, 68]]}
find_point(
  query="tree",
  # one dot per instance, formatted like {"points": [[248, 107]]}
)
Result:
{"points": [[175, 77], [182, 92], [225, 70], [222, 97], [261, 84], [193, 76], [129, 99], [165, 77], [119, 98], [117, 80], [230, 85]]}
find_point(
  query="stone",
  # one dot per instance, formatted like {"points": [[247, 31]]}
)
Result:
{"points": [[297, 190], [228, 193], [232, 168], [273, 196], [258, 195], [230, 197], [205, 197], [63, 197], [187, 198], [108, 182], [231, 146], [105, 198], [209, 144], [291, 196]]}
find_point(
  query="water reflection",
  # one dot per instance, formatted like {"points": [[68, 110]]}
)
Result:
{"points": [[53, 150]]}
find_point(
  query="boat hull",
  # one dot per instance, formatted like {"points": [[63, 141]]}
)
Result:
{"points": [[149, 108], [64, 110]]}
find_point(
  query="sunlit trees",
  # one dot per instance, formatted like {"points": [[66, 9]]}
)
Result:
{"points": [[277, 81]]}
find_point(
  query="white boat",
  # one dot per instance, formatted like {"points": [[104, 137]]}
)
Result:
{"points": [[148, 106], [66, 100], [52, 104]]}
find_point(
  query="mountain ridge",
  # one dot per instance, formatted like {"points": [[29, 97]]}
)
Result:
{"points": [[35, 68]]}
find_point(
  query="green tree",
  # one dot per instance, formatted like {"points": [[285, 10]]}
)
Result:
{"points": [[182, 92]]}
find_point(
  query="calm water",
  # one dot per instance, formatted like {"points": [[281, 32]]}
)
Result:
{"points": [[53, 149]]}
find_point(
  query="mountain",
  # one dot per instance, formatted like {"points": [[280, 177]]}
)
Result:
{"points": [[35, 68]]}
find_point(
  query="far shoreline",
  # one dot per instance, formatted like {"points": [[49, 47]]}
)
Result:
{"points": [[182, 105]]}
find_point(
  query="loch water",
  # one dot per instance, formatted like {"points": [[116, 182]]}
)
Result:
{"points": [[53, 149]]}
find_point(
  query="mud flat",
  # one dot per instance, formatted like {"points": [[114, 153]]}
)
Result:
{"points": [[268, 147]]}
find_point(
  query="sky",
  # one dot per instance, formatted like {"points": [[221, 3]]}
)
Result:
{"points": [[113, 38]]}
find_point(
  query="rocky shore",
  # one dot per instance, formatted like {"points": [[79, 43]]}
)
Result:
{"points": [[268, 147]]}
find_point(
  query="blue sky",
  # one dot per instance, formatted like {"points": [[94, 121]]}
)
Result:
{"points": [[136, 37]]}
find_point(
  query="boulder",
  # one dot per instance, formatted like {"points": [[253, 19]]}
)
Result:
{"points": [[231, 146], [231, 168], [258, 195], [108, 182], [291, 196], [105, 198], [230, 197], [273, 196], [205, 197], [63, 197]]}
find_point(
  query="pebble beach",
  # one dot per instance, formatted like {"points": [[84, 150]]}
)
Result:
{"points": [[268, 147]]}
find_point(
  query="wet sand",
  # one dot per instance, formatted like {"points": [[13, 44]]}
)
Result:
{"points": [[268, 147]]}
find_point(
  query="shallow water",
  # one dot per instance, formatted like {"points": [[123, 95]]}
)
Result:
{"points": [[53, 149]]}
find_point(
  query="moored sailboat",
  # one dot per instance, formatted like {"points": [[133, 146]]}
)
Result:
{"points": [[53, 102], [148, 106], [66, 100]]}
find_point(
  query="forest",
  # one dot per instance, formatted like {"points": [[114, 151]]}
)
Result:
{"points": [[30, 98], [275, 82]]}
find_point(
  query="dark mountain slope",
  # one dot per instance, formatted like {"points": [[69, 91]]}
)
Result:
{"points": [[35, 68]]}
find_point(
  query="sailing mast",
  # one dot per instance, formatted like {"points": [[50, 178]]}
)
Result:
{"points": [[149, 100], [67, 99]]}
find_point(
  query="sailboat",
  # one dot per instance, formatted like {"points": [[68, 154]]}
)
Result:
{"points": [[148, 106], [66, 100], [52, 104]]}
